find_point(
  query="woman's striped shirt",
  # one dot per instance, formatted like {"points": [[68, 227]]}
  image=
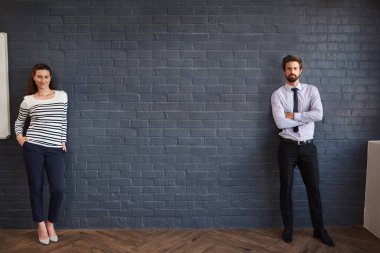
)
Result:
{"points": [[48, 120]]}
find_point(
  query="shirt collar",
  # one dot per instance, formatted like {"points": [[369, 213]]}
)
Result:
{"points": [[289, 88]]}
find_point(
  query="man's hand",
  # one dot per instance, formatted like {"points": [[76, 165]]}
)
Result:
{"points": [[289, 115]]}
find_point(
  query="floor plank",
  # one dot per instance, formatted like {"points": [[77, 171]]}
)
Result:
{"points": [[260, 240]]}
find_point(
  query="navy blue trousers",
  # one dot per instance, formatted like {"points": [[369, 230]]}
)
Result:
{"points": [[305, 157], [38, 158]]}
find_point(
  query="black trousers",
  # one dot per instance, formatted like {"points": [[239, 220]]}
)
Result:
{"points": [[37, 158], [305, 157]]}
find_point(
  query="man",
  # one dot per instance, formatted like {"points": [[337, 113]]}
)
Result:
{"points": [[295, 107]]}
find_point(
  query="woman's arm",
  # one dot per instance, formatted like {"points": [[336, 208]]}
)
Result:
{"points": [[20, 122]]}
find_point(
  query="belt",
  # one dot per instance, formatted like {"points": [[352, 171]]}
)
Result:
{"points": [[299, 143]]}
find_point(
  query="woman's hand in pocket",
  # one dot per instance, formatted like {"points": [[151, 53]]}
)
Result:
{"points": [[21, 140], [64, 146]]}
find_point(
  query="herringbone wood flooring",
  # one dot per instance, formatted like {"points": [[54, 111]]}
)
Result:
{"points": [[261, 240]]}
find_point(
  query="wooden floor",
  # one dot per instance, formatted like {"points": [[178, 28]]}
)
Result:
{"points": [[261, 240]]}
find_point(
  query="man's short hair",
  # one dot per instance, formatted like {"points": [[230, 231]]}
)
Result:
{"points": [[289, 58]]}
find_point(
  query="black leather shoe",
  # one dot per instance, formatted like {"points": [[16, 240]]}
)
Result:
{"points": [[287, 235], [324, 236]]}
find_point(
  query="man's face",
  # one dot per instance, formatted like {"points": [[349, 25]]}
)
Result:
{"points": [[292, 71]]}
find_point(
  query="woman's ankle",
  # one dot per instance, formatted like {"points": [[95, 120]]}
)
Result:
{"points": [[42, 230], [50, 228], [41, 225]]}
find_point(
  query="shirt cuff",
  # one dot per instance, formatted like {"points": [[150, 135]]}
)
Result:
{"points": [[297, 116]]}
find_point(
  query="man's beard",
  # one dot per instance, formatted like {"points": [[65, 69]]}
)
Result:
{"points": [[292, 78]]}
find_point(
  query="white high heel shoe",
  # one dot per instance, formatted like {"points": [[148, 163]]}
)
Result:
{"points": [[53, 238], [43, 241]]}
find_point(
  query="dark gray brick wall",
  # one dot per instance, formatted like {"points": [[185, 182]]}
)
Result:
{"points": [[169, 113]]}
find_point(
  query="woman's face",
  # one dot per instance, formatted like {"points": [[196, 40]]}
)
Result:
{"points": [[42, 78]]}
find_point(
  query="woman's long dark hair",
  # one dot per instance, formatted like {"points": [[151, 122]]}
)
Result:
{"points": [[32, 88]]}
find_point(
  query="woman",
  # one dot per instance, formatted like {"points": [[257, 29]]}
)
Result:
{"points": [[43, 145]]}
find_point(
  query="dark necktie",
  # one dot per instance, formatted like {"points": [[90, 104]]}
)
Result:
{"points": [[295, 105]]}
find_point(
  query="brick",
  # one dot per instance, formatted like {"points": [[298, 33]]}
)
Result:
{"points": [[170, 120]]}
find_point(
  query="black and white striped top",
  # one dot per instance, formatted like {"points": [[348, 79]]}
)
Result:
{"points": [[48, 120]]}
